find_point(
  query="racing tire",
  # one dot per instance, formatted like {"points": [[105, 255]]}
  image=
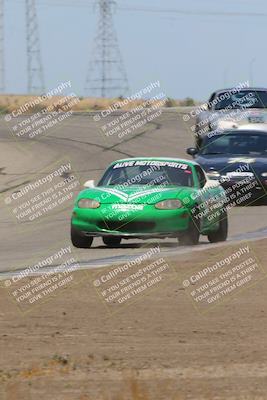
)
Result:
{"points": [[221, 234], [191, 236], [79, 241], [112, 241]]}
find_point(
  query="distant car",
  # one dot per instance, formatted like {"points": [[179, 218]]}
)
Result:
{"points": [[230, 109], [150, 198], [235, 158]]}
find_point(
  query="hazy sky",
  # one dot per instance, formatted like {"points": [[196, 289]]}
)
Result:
{"points": [[190, 54]]}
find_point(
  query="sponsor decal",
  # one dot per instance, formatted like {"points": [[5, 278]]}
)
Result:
{"points": [[128, 207], [139, 163]]}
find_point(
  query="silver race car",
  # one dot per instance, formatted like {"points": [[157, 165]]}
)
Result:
{"points": [[231, 109]]}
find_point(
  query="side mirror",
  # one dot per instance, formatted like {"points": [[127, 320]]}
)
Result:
{"points": [[89, 184], [192, 151]]}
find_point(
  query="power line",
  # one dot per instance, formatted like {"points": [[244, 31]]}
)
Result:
{"points": [[106, 74], [58, 3], [89, 4], [189, 12]]}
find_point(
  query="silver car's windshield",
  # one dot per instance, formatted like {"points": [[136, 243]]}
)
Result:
{"points": [[243, 99]]}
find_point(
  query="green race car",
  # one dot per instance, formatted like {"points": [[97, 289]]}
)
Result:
{"points": [[150, 198]]}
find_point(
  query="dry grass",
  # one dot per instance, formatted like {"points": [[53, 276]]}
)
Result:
{"points": [[9, 103]]}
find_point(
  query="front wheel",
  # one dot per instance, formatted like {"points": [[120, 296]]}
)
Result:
{"points": [[112, 241], [221, 234], [79, 241], [191, 236]]}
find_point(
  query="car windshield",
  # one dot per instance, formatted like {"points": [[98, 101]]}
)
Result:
{"points": [[130, 173], [243, 99], [245, 143]]}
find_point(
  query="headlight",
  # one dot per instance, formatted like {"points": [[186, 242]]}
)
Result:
{"points": [[88, 203], [169, 204], [214, 175], [264, 174]]}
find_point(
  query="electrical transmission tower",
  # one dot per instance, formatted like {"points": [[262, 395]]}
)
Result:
{"points": [[34, 63], [106, 75], [2, 59]]}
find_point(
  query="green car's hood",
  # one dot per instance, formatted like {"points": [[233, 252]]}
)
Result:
{"points": [[135, 194]]}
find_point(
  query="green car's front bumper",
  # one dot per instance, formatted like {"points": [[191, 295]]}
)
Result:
{"points": [[148, 223]]}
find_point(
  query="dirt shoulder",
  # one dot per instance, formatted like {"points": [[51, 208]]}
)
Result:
{"points": [[160, 344]]}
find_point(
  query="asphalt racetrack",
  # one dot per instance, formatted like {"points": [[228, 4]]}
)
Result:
{"points": [[80, 140]]}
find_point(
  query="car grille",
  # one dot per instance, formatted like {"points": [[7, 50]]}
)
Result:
{"points": [[131, 227]]}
